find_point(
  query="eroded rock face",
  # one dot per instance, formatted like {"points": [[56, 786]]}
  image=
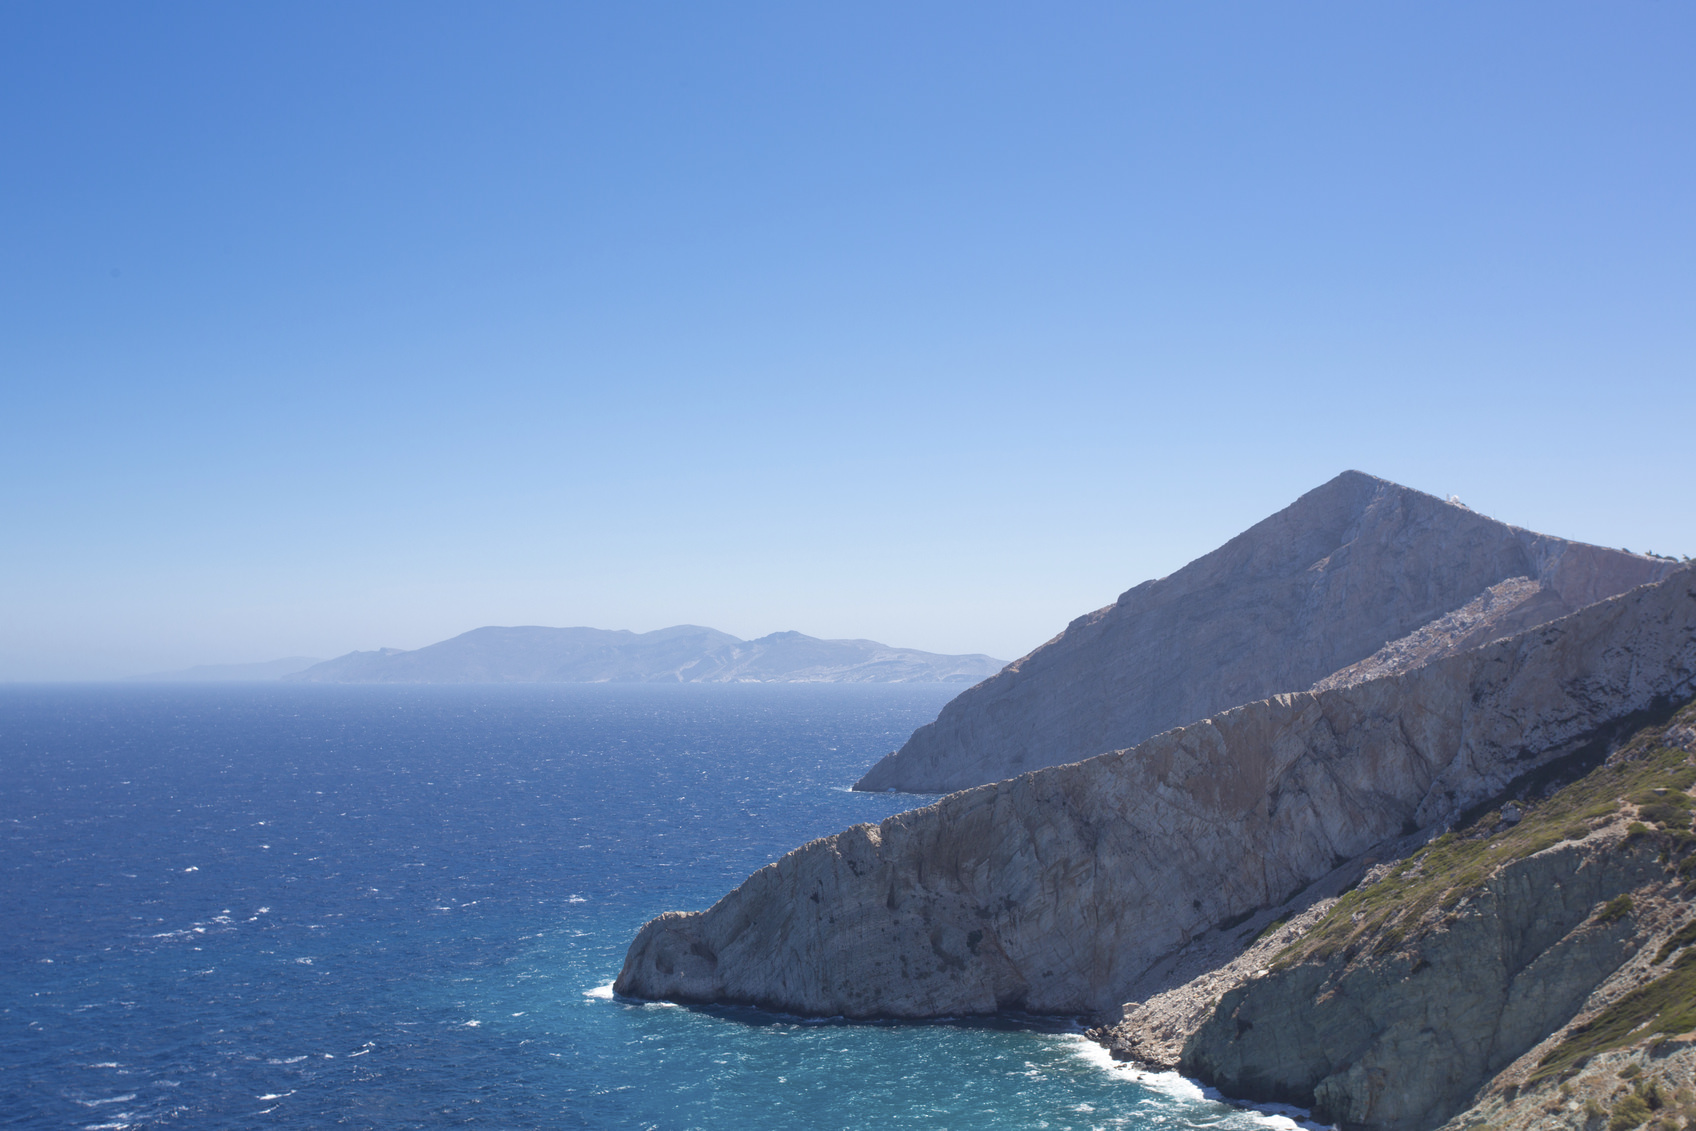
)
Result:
{"points": [[1327, 583], [1402, 1042], [1054, 891]]}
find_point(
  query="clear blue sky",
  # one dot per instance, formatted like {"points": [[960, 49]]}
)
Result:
{"points": [[333, 326]]}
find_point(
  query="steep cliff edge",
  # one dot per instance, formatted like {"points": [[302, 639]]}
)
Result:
{"points": [[1336, 579], [1504, 957], [1056, 891]]}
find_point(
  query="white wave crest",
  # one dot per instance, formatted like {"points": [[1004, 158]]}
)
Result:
{"points": [[107, 1100], [1272, 1117]]}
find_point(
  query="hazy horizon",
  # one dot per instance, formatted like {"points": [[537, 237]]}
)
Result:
{"points": [[226, 671], [329, 328]]}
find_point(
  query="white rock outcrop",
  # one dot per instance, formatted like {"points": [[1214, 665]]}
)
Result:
{"points": [[1054, 891], [1359, 574]]}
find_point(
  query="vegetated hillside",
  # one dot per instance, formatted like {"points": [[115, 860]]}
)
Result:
{"points": [[1066, 889], [681, 654], [1358, 574], [1526, 943]]}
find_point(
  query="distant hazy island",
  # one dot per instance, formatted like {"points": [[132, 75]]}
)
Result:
{"points": [[232, 673], [681, 654]]}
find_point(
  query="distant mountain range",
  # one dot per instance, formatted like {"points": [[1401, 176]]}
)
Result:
{"points": [[681, 654], [232, 673]]}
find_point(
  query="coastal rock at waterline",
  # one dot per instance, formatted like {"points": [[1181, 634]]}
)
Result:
{"points": [[1053, 891], [1479, 968], [1308, 596]]}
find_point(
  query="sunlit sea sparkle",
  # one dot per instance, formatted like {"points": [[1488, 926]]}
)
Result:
{"points": [[306, 906]]}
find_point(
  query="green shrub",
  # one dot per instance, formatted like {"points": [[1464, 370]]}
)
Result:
{"points": [[1270, 928], [1616, 908], [1638, 1107], [1680, 938], [1668, 815], [1376, 918], [1628, 1113], [1665, 1005], [1661, 795]]}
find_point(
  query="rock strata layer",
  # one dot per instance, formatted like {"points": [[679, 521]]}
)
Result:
{"points": [[1476, 978], [1055, 891], [1347, 575], [1403, 1042]]}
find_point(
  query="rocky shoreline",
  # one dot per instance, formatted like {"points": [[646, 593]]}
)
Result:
{"points": [[1468, 1009], [1056, 891], [1393, 899]]}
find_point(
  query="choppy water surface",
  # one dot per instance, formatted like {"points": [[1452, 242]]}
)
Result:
{"points": [[279, 906]]}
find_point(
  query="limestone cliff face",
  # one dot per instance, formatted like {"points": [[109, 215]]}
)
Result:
{"points": [[1485, 970], [1402, 1041], [1333, 580], [1052, 892]]}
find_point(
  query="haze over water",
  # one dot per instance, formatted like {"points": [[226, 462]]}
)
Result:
{"points": [[276, 906]]}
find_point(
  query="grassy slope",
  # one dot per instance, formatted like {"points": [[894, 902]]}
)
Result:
{"points": [[1665, 1005], [1645, 786]]}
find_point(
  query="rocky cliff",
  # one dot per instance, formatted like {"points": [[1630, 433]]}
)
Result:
{"points": [[1359, 574], [1487, 969], [1056, 891]]}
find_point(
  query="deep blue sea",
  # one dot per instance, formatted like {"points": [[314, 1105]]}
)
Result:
{"points": [[279, 906]]}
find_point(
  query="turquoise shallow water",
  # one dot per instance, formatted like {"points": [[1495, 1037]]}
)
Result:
{"points": [[278, 906]]}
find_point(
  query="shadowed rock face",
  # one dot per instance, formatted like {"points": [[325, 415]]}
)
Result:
{"points": [[1423, 1028], [1341, 574], [1054, 891], [1465, 966]]}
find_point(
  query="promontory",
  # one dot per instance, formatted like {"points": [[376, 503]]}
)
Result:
{"points": [[1445, 827]]}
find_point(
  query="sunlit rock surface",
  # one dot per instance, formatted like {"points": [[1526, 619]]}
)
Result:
{"points": [[1054, 891], [1359, 574]]}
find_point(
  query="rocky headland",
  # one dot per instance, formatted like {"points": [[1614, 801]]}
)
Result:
{"points": [[1055, 891], [1449, 883], [1514, 965], [1357, 579]]}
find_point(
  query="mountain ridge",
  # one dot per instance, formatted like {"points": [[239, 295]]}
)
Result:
{"points": [[1055, 891], [1315, 897], [678, 654], [1329, 582]]}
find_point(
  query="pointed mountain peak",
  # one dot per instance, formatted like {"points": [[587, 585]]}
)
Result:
{"points": [[1332, 580]]}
